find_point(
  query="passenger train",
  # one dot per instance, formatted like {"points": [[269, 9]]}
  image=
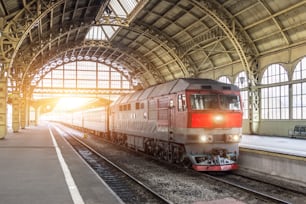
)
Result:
{"points": [[193, 122]]}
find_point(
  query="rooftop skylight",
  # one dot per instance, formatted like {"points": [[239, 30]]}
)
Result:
{"points": [[116, 9]]}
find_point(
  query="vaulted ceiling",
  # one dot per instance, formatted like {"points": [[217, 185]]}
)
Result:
{"points": [[156, 42]]}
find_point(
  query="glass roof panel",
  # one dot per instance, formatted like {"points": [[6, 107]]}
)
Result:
{"points": [[116, 8], [110, 30], [129, 5], [96, 33]]}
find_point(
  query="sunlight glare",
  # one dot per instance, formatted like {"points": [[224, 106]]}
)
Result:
{"points": [[66, 104]]}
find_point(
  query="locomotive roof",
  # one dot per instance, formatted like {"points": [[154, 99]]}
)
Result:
{"points": [[174, 87]]}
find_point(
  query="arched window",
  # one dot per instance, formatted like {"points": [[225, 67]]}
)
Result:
{"points": [[299, 91], [242, 82], [83, 76], [275, 99], [224, 79]]}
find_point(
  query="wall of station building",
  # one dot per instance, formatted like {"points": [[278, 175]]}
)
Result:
{"points": [[288, 58]]}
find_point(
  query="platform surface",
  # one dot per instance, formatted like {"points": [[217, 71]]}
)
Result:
{"points": [[282, 145], [31, 171]]}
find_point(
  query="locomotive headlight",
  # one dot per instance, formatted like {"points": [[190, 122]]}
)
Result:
{"points": [[232, 138], [218, 118], [236, 138], [203, 138], [206, 139]]}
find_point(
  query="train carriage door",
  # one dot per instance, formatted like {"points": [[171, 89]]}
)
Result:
{"points": [[162, 117], [171, 119], [112, 119], [181, 111]]}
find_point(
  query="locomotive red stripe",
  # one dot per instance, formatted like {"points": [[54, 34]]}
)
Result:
{"points": [[208, 120]]}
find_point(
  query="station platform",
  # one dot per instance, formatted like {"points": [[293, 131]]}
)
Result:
{"points": [[282, 158], [38, 166], [281, 145]]}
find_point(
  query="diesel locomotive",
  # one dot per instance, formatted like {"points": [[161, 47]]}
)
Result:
{"points": [[193, 122]]}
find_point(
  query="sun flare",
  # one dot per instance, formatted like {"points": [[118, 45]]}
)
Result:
{"points": [[66, 104]]}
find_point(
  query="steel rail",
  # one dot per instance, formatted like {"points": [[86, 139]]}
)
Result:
{"points": [[158, 196]]}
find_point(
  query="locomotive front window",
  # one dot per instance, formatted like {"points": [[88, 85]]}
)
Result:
{"points": [[203, 102], [230, 102]]}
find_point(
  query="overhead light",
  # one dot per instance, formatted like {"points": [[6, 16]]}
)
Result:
{"points": [[53, 64], [59, 62]]}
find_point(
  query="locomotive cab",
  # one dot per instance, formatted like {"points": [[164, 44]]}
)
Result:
{"points": [[213, 129]]}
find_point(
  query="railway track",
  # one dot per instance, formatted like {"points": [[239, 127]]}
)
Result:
{"points": [[127, 187], [182, 185], [266, 191]]}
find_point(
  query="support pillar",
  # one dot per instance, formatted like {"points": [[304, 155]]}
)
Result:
{"points": [[3, 98], [254, 110], [27, 111], [23, 114], [254, 100], [36, 116], [16, 112]]}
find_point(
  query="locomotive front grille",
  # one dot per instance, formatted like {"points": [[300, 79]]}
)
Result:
{"points": [[215, 138], [219, 138]]}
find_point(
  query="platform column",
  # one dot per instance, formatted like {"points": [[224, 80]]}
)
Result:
{"points": [[254, 99], [16, 112], [27, 111], [3, 98], [36, 115], [23, 114], [254, 110]]}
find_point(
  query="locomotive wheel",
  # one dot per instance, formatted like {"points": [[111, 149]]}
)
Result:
{"points": [[149, 148], [170, 157], [155, 151], [187, 163]]}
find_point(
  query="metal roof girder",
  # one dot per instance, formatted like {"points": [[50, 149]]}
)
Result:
{"points": [[242, 45], [165, 42]]}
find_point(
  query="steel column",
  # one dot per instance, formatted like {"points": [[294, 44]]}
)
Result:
{"points": [[16, 112], [3, 98]]}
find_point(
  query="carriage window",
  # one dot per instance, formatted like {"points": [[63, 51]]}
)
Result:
{"points": [[230, 102], [181, 100], [203, 102]]}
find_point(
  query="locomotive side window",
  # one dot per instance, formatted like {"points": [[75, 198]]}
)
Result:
{"points": [[181, 102], [139, 105], [230, 102], [203, 102]]}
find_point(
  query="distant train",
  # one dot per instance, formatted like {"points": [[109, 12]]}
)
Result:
{"points": [[193, 122]]}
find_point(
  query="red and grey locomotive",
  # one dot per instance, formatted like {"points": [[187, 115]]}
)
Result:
{"points": [[195, 122]]}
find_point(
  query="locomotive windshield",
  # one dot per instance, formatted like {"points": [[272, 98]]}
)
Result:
{"points": [[230, 102], [204, 102]]}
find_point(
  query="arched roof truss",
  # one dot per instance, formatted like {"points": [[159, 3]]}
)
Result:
{"points": [[156, 40]]}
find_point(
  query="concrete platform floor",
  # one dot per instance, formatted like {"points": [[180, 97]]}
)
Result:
{"points": [[31, 171]]}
